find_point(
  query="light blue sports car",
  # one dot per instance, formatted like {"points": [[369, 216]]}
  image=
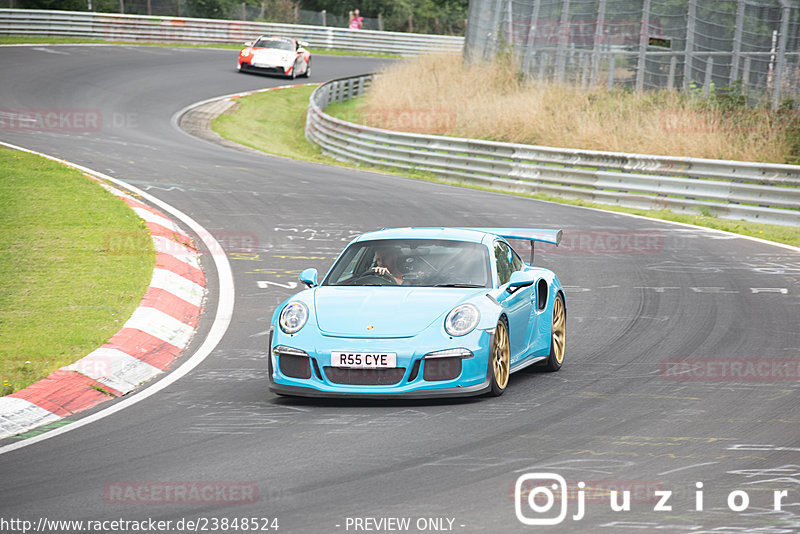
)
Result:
{"points": [[420, 312]]}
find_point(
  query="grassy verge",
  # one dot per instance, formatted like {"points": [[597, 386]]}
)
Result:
{"points": [[438, 94], [274, 121], [64, 293]]}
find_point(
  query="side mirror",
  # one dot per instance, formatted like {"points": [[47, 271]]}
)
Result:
{"points": [[309, 277], [302, 44], [520, 279], [248, 43]]}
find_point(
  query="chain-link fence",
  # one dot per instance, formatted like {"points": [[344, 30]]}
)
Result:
{"points": [[640, 44]]}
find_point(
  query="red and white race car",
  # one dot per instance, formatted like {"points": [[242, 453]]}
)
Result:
{"points": [[276, 55]]}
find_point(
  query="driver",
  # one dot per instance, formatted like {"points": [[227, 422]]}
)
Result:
{"points": [[387, 264]]}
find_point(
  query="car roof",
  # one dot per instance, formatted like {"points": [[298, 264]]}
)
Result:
{"points": [[453, 234]]}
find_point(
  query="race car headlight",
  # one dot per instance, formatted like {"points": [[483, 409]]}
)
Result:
{"points": [[462, 320], [246, 51], [293, 317]]}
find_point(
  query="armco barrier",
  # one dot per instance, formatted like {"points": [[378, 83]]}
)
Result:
{"points": [[115, 27], [768, 193]]}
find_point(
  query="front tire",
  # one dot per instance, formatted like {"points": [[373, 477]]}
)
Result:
{"points": [[500, 359], [559, 336]]}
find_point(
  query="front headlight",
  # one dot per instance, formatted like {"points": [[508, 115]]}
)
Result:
{"points": [[293, 317], [462, 320]]}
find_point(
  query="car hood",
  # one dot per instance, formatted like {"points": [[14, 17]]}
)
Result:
{"points": [[383, 311], [272, 55]]}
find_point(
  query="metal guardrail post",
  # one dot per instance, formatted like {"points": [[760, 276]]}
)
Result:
{"points": [[563, 40], [780, 67], [673, 64], [737, 42], [644, 38], [598, 41], [708, 77], [688, 60]]}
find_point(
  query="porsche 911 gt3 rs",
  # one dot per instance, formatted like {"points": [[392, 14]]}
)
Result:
{"points": [[420, 312], [276, 55]]}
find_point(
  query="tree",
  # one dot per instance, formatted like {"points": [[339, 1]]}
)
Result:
{"points": [[65, 5]]}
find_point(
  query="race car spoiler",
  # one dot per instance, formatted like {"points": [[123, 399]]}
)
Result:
{"points": [[528, 234]]}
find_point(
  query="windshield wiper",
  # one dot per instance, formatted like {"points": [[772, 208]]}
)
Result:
{"points": [[458, 285]]}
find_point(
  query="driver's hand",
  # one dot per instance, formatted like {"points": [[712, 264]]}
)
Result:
{"points": [[380, 270]]}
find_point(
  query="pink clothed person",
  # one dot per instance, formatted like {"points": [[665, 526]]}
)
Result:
{"points": [[356, 21]]}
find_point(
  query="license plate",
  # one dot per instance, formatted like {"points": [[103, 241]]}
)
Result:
{"points": [[364, 360]]}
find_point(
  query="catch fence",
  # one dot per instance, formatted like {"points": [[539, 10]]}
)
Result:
{"points": [[753, 45]]}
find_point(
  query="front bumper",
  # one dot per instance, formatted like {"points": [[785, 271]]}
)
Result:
{"points": [[247, 67], [414, 377]]}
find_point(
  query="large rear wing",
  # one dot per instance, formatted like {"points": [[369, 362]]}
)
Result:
{"points": [[527, 234]]}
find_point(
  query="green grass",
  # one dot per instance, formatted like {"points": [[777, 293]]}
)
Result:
{"points": [[274, 121], [349, 110], [67, 286]]}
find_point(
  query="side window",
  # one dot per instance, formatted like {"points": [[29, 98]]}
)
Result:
{"points": [[506, 261], [516, 262]]}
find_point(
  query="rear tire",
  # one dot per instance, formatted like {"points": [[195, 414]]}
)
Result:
{"points": [[559, 337], [499, 359], [307, 73]]}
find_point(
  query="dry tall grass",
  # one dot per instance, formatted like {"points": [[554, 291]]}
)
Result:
{"points": [[437, 94]]}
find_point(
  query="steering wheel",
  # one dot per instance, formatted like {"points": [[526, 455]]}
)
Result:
{"points": [[386, 277]]}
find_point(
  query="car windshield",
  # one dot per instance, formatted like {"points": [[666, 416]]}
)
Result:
{"points": [[412, 262], [279, 44]]}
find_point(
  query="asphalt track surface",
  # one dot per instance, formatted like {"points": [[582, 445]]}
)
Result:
{"points": [[613, 417]]}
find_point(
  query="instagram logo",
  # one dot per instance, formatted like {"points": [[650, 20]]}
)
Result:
{"points": [[544, 496], [540, 493]]}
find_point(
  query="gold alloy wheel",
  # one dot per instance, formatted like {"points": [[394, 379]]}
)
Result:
{"points": [[559, 330], [501, 356]]}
